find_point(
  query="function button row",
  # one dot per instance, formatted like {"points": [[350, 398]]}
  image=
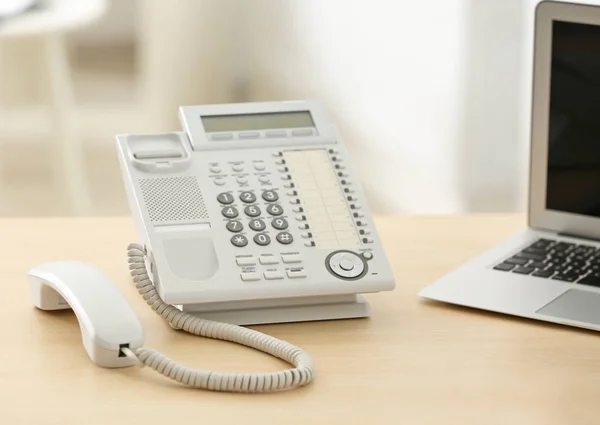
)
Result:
{"points": [[238, 168], [215, 170], [264, 179], [262, 239], [242, 180], [259, 166], [269, 260], [219, 182], [272, 275]]}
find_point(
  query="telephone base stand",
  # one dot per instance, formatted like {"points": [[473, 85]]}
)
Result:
{"points": [[285, 310]]}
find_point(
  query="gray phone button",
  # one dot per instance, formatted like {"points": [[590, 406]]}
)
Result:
{"points": [[262, 239], [257, 225], [239, 240], [275, 133], [249, 135], [229, 212], [302, 132], [222, 136], [234, 226]]}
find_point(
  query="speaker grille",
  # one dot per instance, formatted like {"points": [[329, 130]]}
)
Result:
{"points": [[173, 199]]}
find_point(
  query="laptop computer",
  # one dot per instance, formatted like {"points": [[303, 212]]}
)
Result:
{"points": [[551, 270]]}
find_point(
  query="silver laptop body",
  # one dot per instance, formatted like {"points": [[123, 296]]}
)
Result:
{"points": [[551, 271]]}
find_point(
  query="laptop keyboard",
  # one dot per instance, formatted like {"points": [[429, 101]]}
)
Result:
{"points": [[556, 260]]}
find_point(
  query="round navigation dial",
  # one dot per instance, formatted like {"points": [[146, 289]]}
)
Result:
{"points": [[346, 265]]}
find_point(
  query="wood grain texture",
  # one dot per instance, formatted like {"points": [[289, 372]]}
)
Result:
{"points": [[412, 362]]}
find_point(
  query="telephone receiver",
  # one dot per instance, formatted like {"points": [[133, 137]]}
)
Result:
{"points": [[107, 322], [113, 336]]}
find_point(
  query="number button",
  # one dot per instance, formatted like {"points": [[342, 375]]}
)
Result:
{"points": [[257, 225], [262, 239], [248, 197], [274, 209], [234, 226], [229, 212], [285, 238], [239, 240], [279, 223], [270, 195], [225, 198], [252, 211]]}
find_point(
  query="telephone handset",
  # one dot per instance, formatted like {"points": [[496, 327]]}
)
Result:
{"points": [[113, 337], [252, 214]]}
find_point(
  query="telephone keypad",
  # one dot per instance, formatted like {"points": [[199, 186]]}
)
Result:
{"points": [[262, 239], [257, 225], [279, 223], [270, 196], [239, 240], [230, 212], [235, 226], [274, 209], [252, 211], [248, 197], [285, 238]]}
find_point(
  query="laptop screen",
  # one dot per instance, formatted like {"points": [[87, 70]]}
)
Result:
{"points": [[574, 131]]}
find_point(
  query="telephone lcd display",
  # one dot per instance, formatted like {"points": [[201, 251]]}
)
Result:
{"points": [[265, 121]]}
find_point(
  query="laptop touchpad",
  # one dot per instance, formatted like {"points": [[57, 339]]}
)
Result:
{"points": [[582, 306]]}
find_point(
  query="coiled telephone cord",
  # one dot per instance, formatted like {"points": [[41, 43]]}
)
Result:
{"points": [[300, 375]]}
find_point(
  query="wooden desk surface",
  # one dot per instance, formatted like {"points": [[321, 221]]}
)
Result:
{"points": [[413, 362]]}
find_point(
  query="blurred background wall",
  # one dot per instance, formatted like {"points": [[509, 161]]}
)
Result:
{"points": [[432, 97]]}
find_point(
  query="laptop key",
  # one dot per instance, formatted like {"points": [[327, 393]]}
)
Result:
{"points": [[523, 270], [517, 261], [504, 267], [537, 264], [591, 279], [528, 256], [563, 246], [543, 273], [565, 277], [542, 243]]}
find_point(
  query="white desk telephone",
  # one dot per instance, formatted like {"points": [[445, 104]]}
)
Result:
{"points": [[250, 215], [253, 215]]}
